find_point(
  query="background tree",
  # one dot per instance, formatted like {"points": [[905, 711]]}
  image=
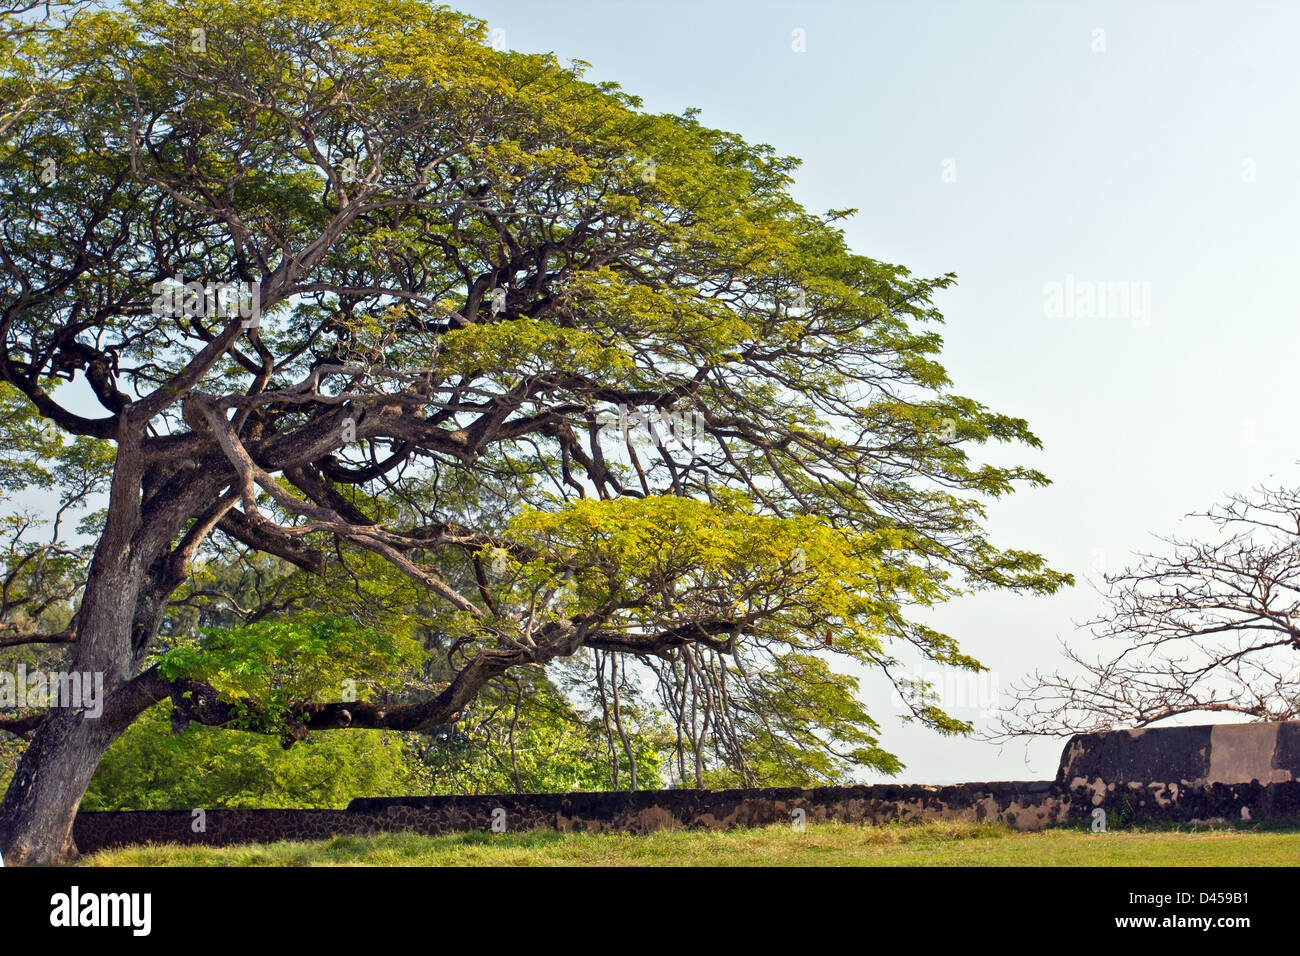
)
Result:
{"points": [[460, 269], [1212, 626]]}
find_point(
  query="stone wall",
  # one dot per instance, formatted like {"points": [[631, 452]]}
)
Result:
{"points": [[1191, 756], [1024, 805], [1186, 774], [1181, 774]]}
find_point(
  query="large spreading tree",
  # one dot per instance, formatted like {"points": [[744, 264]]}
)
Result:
{"points": [[587, 376]]}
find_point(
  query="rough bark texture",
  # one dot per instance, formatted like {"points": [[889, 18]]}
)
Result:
{"points": [[38, 811]]}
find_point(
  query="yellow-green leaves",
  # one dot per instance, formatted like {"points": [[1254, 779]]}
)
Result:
{"points": [[678, 323], [664, 561], [522, 346]]}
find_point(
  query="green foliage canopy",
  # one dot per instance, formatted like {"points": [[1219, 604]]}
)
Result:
{"points": [[468, 262]]}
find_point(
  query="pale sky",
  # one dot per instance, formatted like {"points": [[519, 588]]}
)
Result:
{"points": [[1154, 146]]}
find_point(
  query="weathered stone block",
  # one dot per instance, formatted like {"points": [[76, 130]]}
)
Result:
{"points": [[1191, 756]]}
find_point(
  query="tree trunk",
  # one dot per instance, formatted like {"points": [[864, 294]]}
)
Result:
{"points": [[39, 808], [41, 803]]}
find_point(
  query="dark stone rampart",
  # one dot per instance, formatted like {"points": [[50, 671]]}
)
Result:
{"points": [[1168, 775], [1190, 756]]}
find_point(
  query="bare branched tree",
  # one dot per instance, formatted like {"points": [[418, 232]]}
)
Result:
{"points": [[1208, 627]]}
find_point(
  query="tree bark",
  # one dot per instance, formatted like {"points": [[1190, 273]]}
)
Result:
{"points": [[41, 804]]}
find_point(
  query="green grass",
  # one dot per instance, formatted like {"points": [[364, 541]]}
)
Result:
{"points": [[831, 844]]}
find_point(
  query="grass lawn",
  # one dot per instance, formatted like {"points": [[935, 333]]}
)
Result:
{"points": [[832, 844]]}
